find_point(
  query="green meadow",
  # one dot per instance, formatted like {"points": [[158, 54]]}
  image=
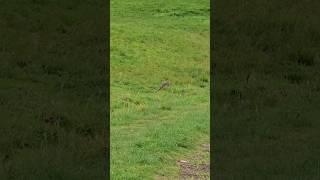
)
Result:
{"points": [[266, 123], [152, 42]]}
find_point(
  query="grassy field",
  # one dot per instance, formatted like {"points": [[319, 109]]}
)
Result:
{"points": [[52, 89], [267, 102], [153, 41]]}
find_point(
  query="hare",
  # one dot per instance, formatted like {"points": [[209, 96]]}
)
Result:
{"points": [[163, 85]]}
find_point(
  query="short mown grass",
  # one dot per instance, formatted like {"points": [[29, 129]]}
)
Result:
{"points": [[153, 41]]}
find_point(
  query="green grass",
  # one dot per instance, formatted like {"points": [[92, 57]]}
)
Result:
{"points": [[152, 41], [52, 89], [268, 127]]}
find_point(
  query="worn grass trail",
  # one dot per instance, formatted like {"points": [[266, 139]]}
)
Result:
{"points": [[152, 42]]}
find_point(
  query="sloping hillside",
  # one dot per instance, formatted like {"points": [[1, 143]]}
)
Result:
{"points": [[153, 42]]}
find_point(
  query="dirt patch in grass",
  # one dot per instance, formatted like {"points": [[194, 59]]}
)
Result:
{"points": [[197, 165]]}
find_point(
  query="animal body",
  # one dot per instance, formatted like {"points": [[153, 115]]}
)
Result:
{"points": [[164, 85]]}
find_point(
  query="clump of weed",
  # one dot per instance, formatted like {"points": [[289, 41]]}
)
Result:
{"points": [[166, 108], [204, 79], [55, 119], [46, 135], [52, 70], [202, 85], [22, 64], [139, 144], [86, 131], [3, 101], [62, 30], [303, 57], [130, 100], [236, 93], [294, 78], [203, 82], [182, 145]]}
